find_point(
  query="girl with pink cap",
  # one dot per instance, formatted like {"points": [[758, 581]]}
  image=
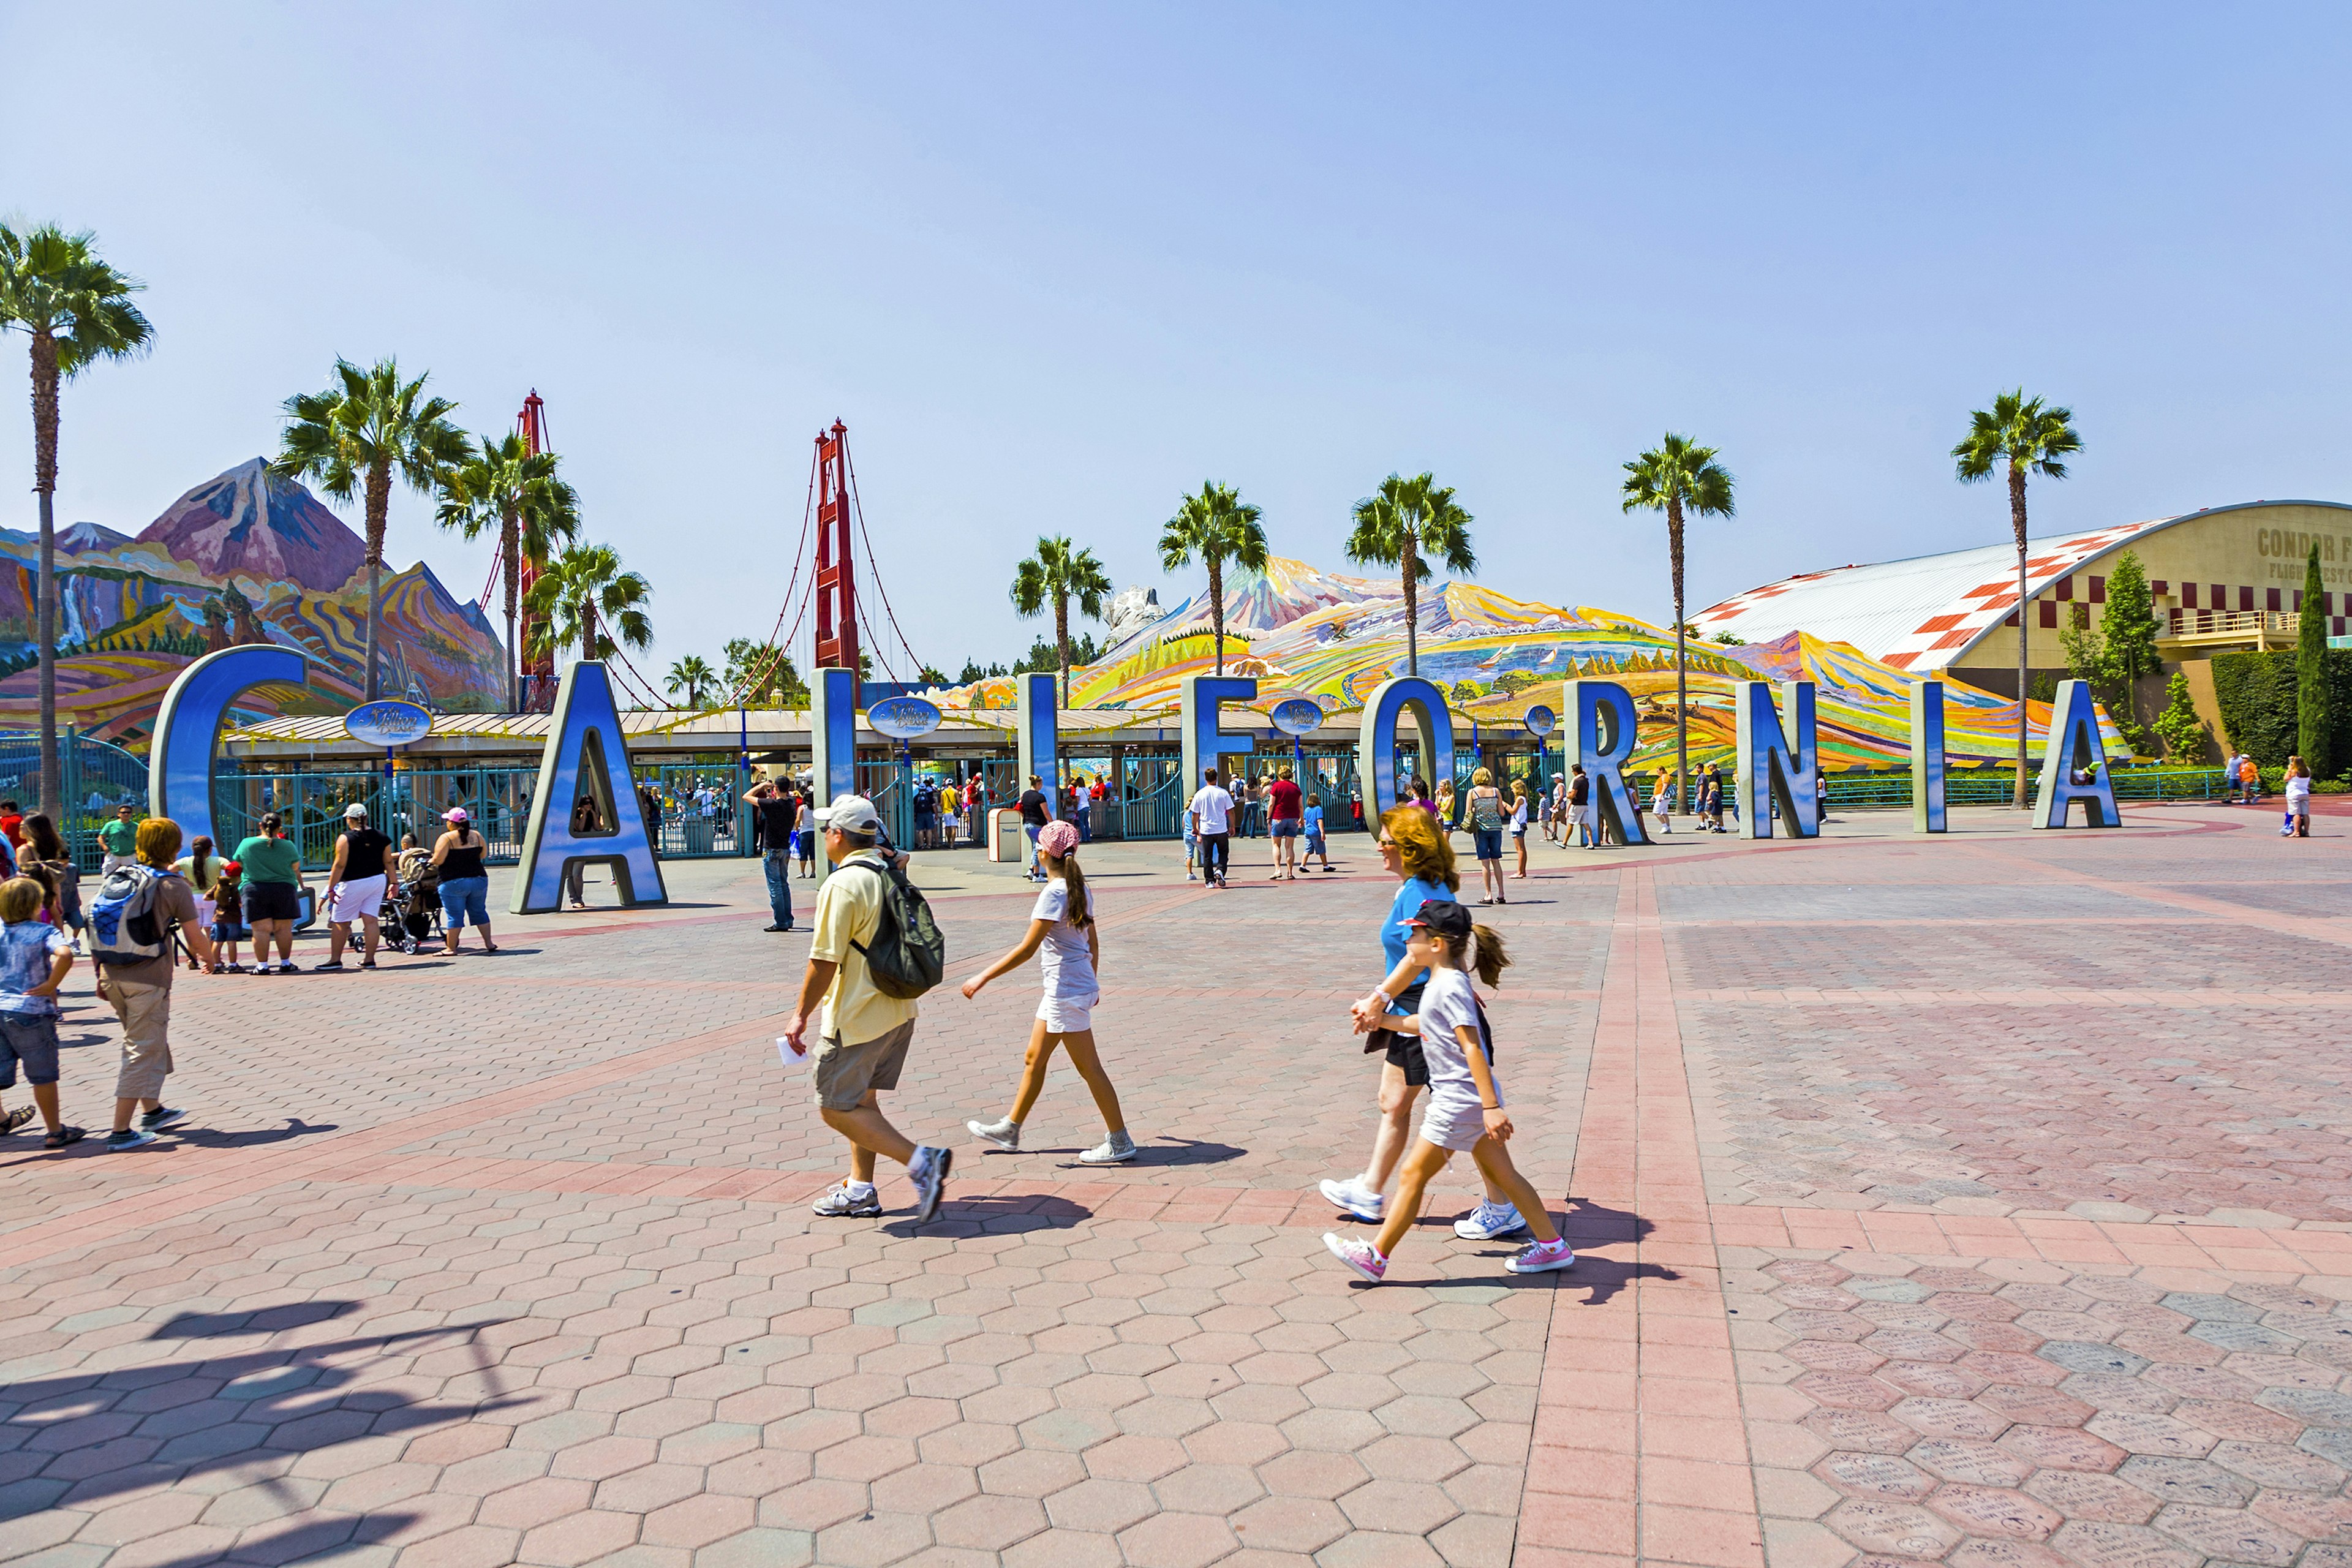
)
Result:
{"points": [[1061, 927]]}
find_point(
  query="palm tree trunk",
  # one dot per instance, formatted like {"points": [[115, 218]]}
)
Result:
{"points": [[1682, 642], [2017, 521], [45, 481], [1061, 643], [379, 504], [1217, 607], [510, 549], [1409, 560]]}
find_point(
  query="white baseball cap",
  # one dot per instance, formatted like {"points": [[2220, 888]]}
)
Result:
{"points": [[851, 813], [354, 809]]}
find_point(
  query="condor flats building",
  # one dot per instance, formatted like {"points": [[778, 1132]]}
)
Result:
{"points": [[2225, 577]]}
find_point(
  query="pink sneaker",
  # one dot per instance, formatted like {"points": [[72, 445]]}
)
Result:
{"points": [[1358, 1254], [1542, 1256]]}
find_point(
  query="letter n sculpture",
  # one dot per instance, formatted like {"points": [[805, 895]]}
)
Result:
{"points": [[587, 757], [1776, 767]]}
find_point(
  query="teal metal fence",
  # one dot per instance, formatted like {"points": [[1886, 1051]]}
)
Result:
{"points": [[98, 777]]}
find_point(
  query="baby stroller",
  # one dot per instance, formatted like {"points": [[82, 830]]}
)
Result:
{"points": [[419, 914]]}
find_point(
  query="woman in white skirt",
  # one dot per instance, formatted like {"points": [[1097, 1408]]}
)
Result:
{"points": [[1062, 928]]}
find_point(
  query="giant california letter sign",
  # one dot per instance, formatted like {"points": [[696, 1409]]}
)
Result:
{"points": [[1376, 745], [2073, 743], [1036, 740], [586, 755], [833, 742], [1206, 737], [1773, 766], [180, 780], [1926, 756], [1596, 707]]}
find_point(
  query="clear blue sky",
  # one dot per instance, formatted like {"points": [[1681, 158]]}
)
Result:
{"points": [[1055, 265]]}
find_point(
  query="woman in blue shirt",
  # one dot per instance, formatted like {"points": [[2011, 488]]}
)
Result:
{"points": [[1414, 850]]}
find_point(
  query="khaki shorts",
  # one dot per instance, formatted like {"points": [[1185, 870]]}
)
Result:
{"points": [[145, 1012], [845, 1073]]}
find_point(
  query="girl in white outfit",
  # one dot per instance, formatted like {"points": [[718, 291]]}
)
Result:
{"points": [[1463, 1113], [1062, 927], [2298, 824]]}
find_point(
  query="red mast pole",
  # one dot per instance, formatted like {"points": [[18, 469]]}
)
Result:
{"points": [[836, 581], [538, 669]]}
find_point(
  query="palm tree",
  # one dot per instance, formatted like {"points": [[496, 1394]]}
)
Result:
{"points": [[582, 591], [693, 676], [1214, 526], [2018, 430], [1401, 525], [1058, 573], [353, 438], [507, 487], [77, 310], [1674, 477]]}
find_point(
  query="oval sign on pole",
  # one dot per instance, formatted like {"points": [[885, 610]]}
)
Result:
{"points": [[1541, 721], [1296, 716], [388, 722], [904, 718]]}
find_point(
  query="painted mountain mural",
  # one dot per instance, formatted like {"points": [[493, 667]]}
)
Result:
{"points": [[1305, 632], [246, 557]]}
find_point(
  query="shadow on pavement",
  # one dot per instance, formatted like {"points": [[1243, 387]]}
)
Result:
{"points": [[206, 1138], [1587, 1224], [137, 1427], [1173, 1151], [304, 1543]]}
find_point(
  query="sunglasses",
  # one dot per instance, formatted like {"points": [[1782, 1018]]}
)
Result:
{"points": [[1388, 844]]}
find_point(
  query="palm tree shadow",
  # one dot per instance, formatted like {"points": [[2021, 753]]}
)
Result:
{"points": [[316, 1389]]}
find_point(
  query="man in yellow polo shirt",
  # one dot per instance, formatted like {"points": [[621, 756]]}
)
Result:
{"points": [[863, 1033]]}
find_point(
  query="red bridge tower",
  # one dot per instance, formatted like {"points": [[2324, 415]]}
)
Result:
{"points": [[836, 581]]}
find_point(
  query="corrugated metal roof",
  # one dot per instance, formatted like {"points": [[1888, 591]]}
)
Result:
{"points": [[1927, 613]]}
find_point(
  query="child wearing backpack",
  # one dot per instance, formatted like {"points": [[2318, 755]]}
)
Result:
{"points": [[229, 918], [1464, 1109], [1062, 926], [130, 926], [34, 960]]}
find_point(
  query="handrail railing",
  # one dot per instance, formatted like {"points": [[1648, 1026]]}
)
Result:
{"points": [[2193, 623]]}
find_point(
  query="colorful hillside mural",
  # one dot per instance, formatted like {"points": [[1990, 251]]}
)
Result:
{"points": [[243, 558], [1307, 633]]}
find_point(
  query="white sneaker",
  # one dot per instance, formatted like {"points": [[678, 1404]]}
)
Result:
{"points": [[1352, 1197], [1005, 1135], [1116, 1150], [1489, 1221], [844, 1201]]}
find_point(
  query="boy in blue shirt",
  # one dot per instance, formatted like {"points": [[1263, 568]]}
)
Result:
{"points": [[1315, 845]]}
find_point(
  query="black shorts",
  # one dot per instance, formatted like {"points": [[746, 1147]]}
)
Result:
{"points": [[1404, 1051], [271, 901]]}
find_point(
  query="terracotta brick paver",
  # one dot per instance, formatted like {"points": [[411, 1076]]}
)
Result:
{"points": [[1985, 1202]]}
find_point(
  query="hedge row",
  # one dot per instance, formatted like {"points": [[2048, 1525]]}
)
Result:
{"points": [[2257, 698]]}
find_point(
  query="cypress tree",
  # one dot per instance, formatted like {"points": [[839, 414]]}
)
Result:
{"points": [[2311, 715]]}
